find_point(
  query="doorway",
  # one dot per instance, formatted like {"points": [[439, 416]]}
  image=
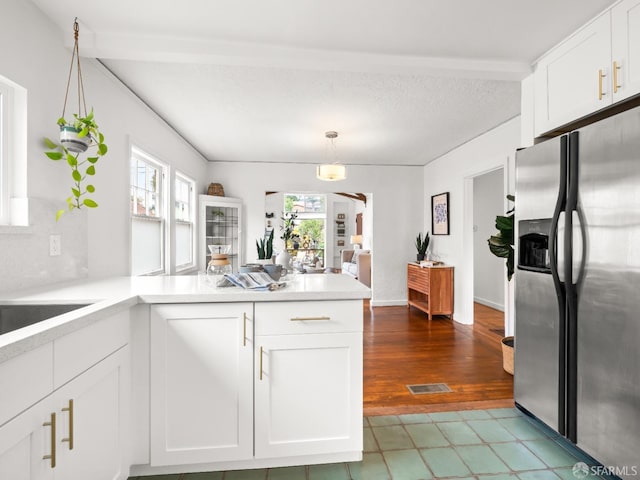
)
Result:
{"points": [[488, 270]]}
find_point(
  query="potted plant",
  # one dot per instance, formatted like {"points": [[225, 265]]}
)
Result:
{"points": [[288, 224], [75, 138], [501, 245], [265, 248], [422, 245]]}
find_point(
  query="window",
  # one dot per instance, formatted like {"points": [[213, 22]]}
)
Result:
{"points": [[13, 154], [309, 231], [4, 152], [185, 215], [148, 214]]}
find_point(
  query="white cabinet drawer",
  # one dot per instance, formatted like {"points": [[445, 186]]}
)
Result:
{"points": [[80, 350], [282, 318], [24, 380]]}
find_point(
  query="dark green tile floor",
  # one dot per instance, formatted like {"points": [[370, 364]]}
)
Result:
{"points": [[498, 444]]}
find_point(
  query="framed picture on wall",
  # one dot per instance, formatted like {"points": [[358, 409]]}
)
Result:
{"points": [[440, 214]]}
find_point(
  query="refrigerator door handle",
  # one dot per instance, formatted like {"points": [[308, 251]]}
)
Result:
{"points": [[559, 209], [555, 248], [580, 245]]}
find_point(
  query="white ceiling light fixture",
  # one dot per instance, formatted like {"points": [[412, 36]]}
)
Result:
{"points": [[331, 172]]}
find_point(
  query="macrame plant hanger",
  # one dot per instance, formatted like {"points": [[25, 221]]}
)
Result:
{"points": [[75, 57]]}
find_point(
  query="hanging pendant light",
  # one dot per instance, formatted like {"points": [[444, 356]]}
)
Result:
{"points": [[331, 172]]}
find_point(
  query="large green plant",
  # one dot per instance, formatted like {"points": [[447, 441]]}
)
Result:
{"points": [[501, 244], [81, 169]]}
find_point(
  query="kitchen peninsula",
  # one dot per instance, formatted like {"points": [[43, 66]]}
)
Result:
{"points": [[170, 374]]}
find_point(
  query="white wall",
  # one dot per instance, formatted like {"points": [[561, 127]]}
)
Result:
{"points": [[94, 243], [488, 270], [397, 202], [454, 173]]}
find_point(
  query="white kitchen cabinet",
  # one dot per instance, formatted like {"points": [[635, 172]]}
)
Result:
{"points": [[220, 224], [77, 432], [24, 441], [572, 80], [201, 383], [594, 68], [91, 422], [625, 47], [308, 389]]}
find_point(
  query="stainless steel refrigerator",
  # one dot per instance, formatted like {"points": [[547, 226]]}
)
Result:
{"points": [[577, 326]]}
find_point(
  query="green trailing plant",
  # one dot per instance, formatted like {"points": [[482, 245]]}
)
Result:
{"points": [[501, 244], [82, 169], [288, 224], [265, 248], [422, 244]]}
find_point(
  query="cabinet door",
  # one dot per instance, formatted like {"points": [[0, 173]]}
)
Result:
{"points": [[24, 441], [201, 383], [91, 422], [308, 394], [220, 224], [567, 80], [625, 28]]}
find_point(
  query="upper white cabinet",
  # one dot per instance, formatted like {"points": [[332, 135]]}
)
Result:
{"points": [[201, 383], [573, 79], [594, 68], [220, 224], [625, 35]]}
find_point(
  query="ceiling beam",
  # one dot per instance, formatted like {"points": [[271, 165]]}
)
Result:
{"points": [[157, 48], [354, 196]]}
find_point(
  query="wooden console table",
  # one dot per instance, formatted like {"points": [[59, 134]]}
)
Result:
{"points": [[430, 289]]}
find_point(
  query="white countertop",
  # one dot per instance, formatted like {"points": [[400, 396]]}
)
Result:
{"points": [[110, 295]]}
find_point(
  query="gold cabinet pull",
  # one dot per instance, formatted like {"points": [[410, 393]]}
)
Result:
{"points": [[601, 75], [261, 352], [304, 319], [616, 67], [69, 439], [52, 456], [244, 329]]}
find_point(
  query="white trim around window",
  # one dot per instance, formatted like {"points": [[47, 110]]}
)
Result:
{"points": [[149, 219], [185, 226]]}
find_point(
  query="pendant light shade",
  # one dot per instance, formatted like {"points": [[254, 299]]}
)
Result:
{"points": [[331, 172]]}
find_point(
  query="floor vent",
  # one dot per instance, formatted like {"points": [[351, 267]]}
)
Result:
{"points": [[429, 388]]}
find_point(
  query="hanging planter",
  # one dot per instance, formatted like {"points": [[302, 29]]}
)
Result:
{"points": [[77, 136]]}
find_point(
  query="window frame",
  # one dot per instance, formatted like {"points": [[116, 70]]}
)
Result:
{"points": [[140, 155], [191, 183], [14, 206]]}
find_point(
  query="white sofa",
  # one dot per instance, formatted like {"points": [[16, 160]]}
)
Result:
{"points": [[357, 265]]}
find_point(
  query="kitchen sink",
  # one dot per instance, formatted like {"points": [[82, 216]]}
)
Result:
{"points": [[13, 317]]}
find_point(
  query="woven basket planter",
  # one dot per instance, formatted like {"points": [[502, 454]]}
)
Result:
{"points": [[507, 354]]}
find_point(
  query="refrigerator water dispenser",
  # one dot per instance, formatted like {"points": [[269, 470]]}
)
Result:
{"points": [[533, 245]]}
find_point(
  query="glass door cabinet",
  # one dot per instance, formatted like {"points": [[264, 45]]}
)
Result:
{"points": [[220, 225]]}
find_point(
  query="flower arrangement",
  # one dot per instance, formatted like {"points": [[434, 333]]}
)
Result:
{"points": [[288, 225]]}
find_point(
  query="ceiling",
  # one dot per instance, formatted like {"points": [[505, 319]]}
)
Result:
{"points": [[402, 82]]}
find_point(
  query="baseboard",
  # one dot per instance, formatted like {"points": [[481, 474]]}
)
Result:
{"points": [[388, 303], [489, 303]]}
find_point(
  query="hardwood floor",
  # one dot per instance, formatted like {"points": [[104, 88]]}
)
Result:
{"points": [[402, 347]]}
